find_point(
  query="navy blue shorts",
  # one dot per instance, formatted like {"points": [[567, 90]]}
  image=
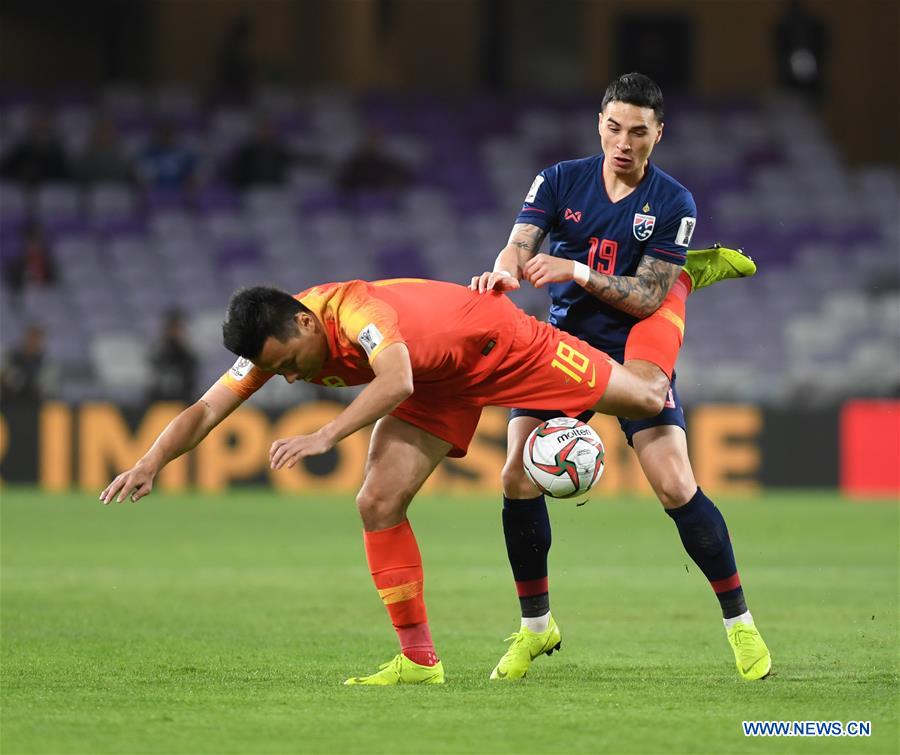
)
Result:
{"points": [[672, 414]]}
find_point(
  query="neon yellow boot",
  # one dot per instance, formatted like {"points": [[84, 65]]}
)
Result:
{"points": [[401, 670], [526, 646], [707, 266], [750, 652]]}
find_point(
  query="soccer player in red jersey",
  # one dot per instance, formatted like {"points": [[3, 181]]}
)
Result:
{"points": [[432, 355]]}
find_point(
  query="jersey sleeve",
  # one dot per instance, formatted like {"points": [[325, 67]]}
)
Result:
{"points": [[244, 378], [541, 202], [670, 242], [369, 322]]}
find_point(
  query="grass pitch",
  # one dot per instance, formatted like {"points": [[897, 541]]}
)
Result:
{"points": [[227, 624]]}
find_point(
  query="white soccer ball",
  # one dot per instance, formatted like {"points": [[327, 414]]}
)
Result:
{"points": [[563, 457]]}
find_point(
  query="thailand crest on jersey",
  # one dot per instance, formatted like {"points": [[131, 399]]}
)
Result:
{"points": [[643, 226]]}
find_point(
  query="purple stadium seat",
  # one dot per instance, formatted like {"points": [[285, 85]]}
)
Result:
{"points": [[263, 200], [373, 201], [234, 252], [11, 232], [58, 202], [324, 200], [164, 199], [13, 203], [66, 227], [216, 198], [111, 228], [401, 262], [111, 202], [173, 226]]}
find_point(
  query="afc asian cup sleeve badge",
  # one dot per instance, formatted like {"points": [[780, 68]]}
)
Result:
{"points": [[241, 368], [643, 226], [370, 338]]}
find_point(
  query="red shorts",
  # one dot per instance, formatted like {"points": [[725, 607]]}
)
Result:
{"points": [[543, 368]]}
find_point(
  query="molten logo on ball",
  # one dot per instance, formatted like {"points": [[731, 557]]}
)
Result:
{"points": [[563, 457]]}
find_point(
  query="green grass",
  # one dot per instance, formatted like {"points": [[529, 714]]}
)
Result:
{"points": [[227, 624]]}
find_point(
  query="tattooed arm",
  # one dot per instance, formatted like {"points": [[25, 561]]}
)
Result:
{"points": [[524, 241], [639, 295]]}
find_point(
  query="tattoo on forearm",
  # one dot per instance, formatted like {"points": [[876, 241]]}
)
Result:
{"points": [[640, 295], [526, 237]]}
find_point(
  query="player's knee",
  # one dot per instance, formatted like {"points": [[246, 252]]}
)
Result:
{"points": [[675, 491], [515, 482], [380, 509], [646, 403], [652, 399]]}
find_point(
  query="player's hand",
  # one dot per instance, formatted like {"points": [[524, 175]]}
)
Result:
{"points": [[135, 484], [545, 268], [286, 452], [496, 280]]}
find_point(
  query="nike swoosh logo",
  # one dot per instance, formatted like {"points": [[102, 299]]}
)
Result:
{"points": [[592, 381], [501, 674]]}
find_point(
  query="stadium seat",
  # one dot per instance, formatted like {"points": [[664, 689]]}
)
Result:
{"points": [[58, 202], [13, 203], [120, 362]]}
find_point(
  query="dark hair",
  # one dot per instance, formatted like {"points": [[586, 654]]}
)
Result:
{"points": [[256, 313], [635, 89]]}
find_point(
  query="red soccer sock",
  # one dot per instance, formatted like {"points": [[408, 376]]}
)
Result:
{"points": [[416, 644], [396, 567], [658, 338]]}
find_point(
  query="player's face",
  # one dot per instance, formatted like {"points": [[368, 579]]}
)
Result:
{"points": [[301, 356], [628, 134]]}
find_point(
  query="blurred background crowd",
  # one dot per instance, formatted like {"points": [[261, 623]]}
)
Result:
{"points": [[205, 146]]}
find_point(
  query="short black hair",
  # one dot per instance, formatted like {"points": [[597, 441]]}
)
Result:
{"points": [[635, 89], [254, 314]]}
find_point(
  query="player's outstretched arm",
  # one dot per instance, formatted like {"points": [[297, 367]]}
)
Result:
{"points": [[181, 435], [639, 295], [524, 241], [392, 385]]}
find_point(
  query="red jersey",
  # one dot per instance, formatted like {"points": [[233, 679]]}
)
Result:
{"points": [[452, 334], [467, 350]]}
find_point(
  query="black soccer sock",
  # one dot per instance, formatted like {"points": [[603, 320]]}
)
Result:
{"points": [[706, 539], [526, 526]]}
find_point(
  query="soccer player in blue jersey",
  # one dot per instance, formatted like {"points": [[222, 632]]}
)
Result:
{"points": [[619, 231]]}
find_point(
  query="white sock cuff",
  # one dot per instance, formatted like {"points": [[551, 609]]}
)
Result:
{"points": [[537, 624], [744, 618]]}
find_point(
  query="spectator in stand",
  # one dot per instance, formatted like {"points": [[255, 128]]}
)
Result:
{"points": [[103, 159], [174, 363], [371, 166], [261, 160], [801, 46], [26, 375], [165, 164], [234, 63], [39, 157], [34, 265]]}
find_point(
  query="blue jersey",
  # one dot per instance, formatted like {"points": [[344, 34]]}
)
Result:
{"points": [[569, 202]]}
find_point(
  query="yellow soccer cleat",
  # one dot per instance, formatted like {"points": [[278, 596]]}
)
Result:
{"points": [[707, 266], [750, 652], [526, 646], [401, 670]]}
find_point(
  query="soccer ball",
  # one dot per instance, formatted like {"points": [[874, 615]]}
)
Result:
{"points": [[563, 457]]}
